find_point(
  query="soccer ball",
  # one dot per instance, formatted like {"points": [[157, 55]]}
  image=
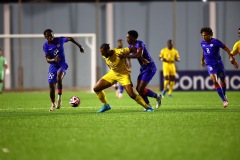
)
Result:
{"points": [[74, 101]]}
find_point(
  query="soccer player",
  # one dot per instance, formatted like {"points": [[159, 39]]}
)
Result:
{"points": [[236, 47], [168, 56], [3, 67], [212, 60], [119, 72], [118, 87], [55, 56], [147, 69]]}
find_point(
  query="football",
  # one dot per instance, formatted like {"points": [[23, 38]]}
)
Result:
{"points": [[74, 101]]}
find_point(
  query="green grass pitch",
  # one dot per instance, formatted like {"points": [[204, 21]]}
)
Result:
{"points": [[189, 126]]}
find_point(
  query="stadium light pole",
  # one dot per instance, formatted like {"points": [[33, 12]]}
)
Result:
{"points": [[7, 43], [20, 67]]}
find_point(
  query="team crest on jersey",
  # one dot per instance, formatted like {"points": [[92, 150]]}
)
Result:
{"points": [[211, 45], [58, 45]]}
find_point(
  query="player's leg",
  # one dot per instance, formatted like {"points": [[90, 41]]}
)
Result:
{"points": [[126, 82], [222, 74], [218, 88], [52, 96], [120, 91], [116, 89], [137, 98], [1, 80], [172, 73], [61, 73], [52, 80], [142, 89], [106, 81], [166, 78]]}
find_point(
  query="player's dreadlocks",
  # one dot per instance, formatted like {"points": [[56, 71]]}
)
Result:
{"points": [[208, 30], [105, 46]]}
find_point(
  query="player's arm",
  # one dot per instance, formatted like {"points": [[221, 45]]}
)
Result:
{"points": [[234, 52], [203, 63], [52, 60], [231, 58], [177, 57], [76, 43]]}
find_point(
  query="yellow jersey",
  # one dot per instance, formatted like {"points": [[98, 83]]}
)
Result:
{"points": [[236, 48], [169, 55], [117, 64]]}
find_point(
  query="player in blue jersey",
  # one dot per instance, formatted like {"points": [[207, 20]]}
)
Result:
{"points": [[55, 56], [212, 60], [147, 69]]}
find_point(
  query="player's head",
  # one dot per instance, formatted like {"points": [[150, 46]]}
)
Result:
{"points": [[132, 36], [206, 33], [48, 34], [170, 44], [120, 43], [104, 49]]}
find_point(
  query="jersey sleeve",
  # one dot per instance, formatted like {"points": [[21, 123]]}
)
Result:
{"points": [[177, 55], [45, 50], [64, 39], [220, 44], [126, 50], [236, 48], [161, 53]]}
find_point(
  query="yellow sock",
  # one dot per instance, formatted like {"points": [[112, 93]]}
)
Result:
{"points": [[140, 101], [166, 82], [102, 97], [172, 83]]}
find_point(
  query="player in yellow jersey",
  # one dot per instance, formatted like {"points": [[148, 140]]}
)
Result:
{"points": [[168, 56], [236, 47], [119, 72]]}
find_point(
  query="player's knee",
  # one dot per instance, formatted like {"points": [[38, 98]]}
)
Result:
{"points": [[96, 89]]}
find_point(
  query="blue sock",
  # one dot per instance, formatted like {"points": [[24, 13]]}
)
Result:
{"points": [[150, 93], [220, 92], [121, 89], [145, 98]]}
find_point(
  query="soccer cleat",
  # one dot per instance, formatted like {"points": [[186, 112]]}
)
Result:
{"points": [[104, 108], [225, 104], [163, 93], [159, 100], [120, 95], [59, 104], [149, 109], [52, 108]]}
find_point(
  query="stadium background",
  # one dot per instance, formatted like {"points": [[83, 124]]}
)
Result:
{"points": [[152, 19]]}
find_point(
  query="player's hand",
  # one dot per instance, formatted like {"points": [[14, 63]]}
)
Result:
{"points": [[81, 49], [235, 64], [203, 63], [57, 59]]}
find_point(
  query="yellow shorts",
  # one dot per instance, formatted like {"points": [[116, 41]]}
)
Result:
{"points": [[169, 69], [113, 77]]}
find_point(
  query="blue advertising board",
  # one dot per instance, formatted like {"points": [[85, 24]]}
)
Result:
{"points": [[200, 80]]}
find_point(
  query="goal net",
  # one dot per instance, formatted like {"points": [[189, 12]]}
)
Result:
{"points": [[29, 69]]}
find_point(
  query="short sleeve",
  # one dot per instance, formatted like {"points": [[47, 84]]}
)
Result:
{"points": [[126, 50], [236, 49], [220, 44]]}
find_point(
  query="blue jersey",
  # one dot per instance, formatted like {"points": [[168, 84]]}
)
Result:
{"points": [[212, 51], [56, 49], [140, 44]]}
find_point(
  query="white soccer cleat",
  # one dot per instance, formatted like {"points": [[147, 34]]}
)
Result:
{"points": [[225, 104], [59, 104], [52, 108], [120, 95], [159, 101]]}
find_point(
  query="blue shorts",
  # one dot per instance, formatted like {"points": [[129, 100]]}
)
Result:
{"points": [[54, 70], [146, 74], [217, 69]]}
